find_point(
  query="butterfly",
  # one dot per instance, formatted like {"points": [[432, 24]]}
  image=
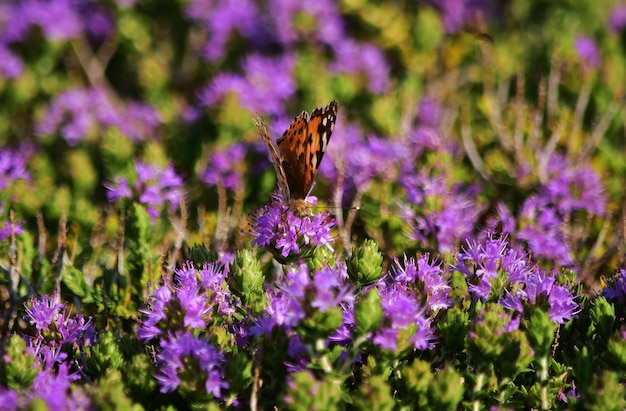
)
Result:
{"points": [[298, 153]]}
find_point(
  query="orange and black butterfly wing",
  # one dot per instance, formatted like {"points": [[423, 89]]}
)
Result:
{"points": [[291, 147], [303, 145]]}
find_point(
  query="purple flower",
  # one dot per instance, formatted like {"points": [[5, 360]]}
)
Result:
{"points": [[58, 19], [458, 13], [225, 167], [185, 359], [137, 121], [11, 66], [265, 86], [12, 167], [617, 19], [153, 187], [587, 50], [80, 113], [193, 300], [425, 276], [323, 23], [276, 227], [540, 289], [574, 188], [483, 263], [360, 159], [53, 387], [8, 398], [43, 312], [403, 312], [302, 293], [56, 329], [617, 290], [448, 215], [429, 112], [221, 19], [355, 58], [542, 231]]}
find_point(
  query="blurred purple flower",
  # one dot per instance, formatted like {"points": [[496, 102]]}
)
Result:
{"points": [[79, 113], [324, 23], [58, 19], [153, 187], [360, 159], [402, 311], [276, 227], [265, 86], [137, 121], [572, 188], [448, 215], [281, 311], [587, 50], [191, 357], [221, 19], [617, 289], [12, 167], [429, 112], [355, 58], [457, 14], [11, 66], [98, 22], [9, 399], [225, 167], [542, 231], [617, 19], [53, 387]]}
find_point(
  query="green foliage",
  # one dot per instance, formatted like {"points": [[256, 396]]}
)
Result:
{"points": [[19, 369], [246, 280], [365, 264]]}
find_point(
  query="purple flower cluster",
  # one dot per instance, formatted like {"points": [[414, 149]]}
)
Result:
{"points": [[569, 190], [617, 19], [434, 211], [153, 187], [301, 293], [58, 20], [56, 331], [276, 226], [617, 290], [494, 271], [410, 295], [265, 86], [79, 113], [267, 83], [360, 159], [458, 14], [225, 167], [190, 302], [193, 357], [54, 388], [12, 167], [587, 50], [178, 314]]}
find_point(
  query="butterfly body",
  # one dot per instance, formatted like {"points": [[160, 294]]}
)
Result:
{"points": [[297, 154]]}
